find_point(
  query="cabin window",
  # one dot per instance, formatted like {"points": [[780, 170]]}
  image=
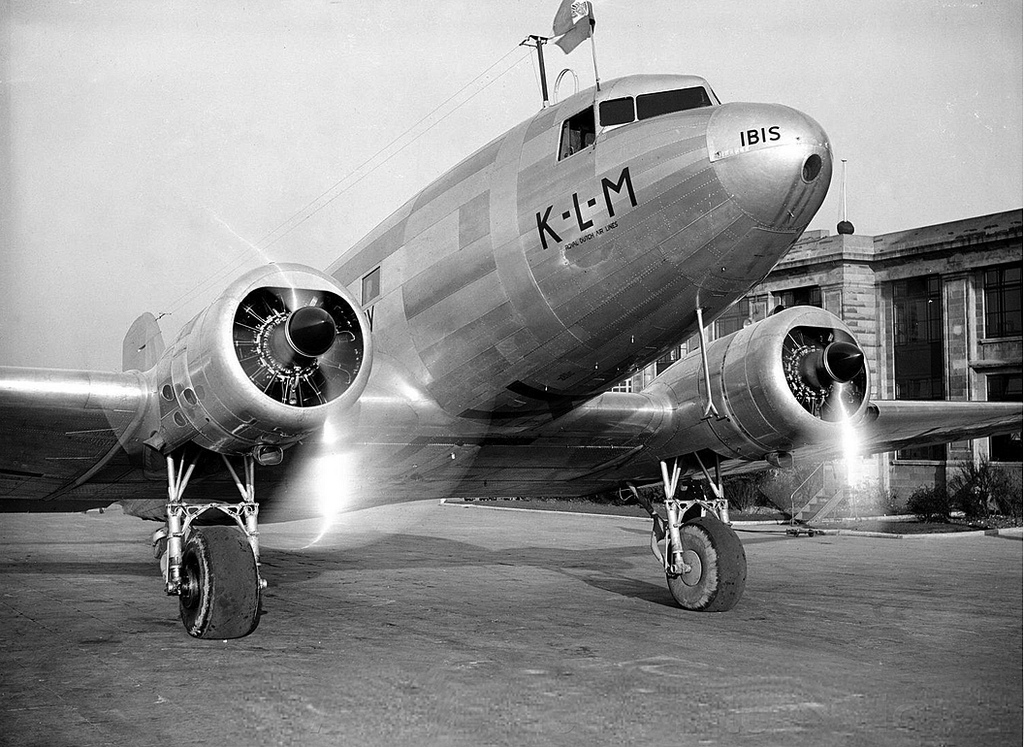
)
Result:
{"points": [[617, 111], [577, 133], [371, 286], [664, 102]]}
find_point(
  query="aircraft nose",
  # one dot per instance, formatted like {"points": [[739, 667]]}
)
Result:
{"points": [[775, 162]]}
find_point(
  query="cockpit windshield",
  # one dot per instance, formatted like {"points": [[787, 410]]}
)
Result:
{"points": [[579, 132], [646, 105]]}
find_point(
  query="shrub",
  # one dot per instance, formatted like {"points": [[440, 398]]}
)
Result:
{"points": [[874, 498], [930, 503], [981, 489], [742, 492]]}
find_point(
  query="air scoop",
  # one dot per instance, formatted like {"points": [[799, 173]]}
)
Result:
{"points": [[310, 331]]}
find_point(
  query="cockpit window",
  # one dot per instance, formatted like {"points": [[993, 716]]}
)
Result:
{"points": [[617, 111], [578, 133], [653, 104]]}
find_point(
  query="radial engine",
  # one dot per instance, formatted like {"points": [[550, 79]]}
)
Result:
{"points": [[790, 380], [262, 367]]}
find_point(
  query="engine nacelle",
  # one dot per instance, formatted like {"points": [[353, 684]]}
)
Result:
{"points": [[264, 365], [786, 381]]}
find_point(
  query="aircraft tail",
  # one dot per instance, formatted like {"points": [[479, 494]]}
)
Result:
{"points": [[143, 344]]}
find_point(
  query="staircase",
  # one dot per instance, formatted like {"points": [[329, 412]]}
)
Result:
{"points": [[826, 492]]}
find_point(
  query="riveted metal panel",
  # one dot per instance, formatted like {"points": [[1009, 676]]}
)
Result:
{"points": [[544, 122], [453, 179], [447, 203], [445, 278], [450, 346], [531, 309], [371, 255], [475, 219]]}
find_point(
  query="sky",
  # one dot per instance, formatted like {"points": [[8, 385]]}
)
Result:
{"points": [[152, 152]]}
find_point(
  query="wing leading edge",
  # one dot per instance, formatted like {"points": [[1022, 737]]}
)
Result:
{"points": [[889, 425]]}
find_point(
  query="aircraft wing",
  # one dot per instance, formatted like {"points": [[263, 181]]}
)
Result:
{"points": [[890, 425], [893, 424], [62, 429]]}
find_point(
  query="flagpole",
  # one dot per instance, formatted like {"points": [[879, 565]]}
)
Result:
{"points": [[593, 52]]}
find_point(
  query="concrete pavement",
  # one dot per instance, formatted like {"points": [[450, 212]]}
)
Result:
{"points": [[429, 625]]}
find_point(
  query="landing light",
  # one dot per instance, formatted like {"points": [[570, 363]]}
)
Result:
{"points": [[812, 167]]}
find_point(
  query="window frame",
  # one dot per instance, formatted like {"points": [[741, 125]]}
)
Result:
{"points": [[565, 148], [370, 286], [1001, 289]]}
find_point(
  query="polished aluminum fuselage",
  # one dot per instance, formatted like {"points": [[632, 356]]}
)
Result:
{"points": [[514, 290], [519, 286]]}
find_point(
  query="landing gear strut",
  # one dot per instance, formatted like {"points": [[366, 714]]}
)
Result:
{"points": [[703, 559], [210, 554]]}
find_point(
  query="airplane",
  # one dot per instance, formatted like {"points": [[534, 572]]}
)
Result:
{"points": [[467, 347]]}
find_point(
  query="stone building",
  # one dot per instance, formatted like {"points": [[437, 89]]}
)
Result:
{"points": [[937, 311]]}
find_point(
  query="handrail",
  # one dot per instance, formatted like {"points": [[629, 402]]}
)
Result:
{"points": [[792, 497]]}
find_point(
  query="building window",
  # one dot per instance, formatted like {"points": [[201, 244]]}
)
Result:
{"points": [[917, 349], [624, 386], [667, 360], [1004, 388], [371, 286], [917, 338], [807, 296], [733, 320], [1003, 302]]}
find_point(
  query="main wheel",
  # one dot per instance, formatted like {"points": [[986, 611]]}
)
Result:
{"points": [[717, 567], [220, 585]]}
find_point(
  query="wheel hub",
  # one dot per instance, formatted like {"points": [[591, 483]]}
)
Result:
{"points": [[692, 568], [189, 592]]}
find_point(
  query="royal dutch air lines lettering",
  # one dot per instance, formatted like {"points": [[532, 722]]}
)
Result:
{"points": [[580, 214]]}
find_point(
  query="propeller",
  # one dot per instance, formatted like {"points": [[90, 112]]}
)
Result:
{"points": [[827, 376], [299, 347]]}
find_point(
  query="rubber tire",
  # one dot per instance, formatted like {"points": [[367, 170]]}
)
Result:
{"points": [[220, 594], [723, 573]]}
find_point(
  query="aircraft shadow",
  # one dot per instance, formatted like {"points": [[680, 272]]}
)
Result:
{"points": [[605, 568]]}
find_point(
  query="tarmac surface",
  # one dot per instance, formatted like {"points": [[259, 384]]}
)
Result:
{"points": [[422, 624]]}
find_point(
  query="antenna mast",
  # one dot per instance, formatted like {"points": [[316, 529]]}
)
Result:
{"points": [[538, 41]]}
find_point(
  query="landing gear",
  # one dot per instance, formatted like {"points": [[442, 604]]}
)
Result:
{"points": [[713, 571], [219, 596], [703, 558], [210, 554]]}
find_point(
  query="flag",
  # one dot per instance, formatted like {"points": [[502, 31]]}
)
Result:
{"points": [[574, 22]]}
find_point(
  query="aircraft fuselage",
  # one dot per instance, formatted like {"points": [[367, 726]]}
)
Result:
{"points": [[537, 273], [520, 283]]}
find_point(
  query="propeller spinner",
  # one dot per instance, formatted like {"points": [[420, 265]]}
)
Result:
{"points": [[827, 376]]}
